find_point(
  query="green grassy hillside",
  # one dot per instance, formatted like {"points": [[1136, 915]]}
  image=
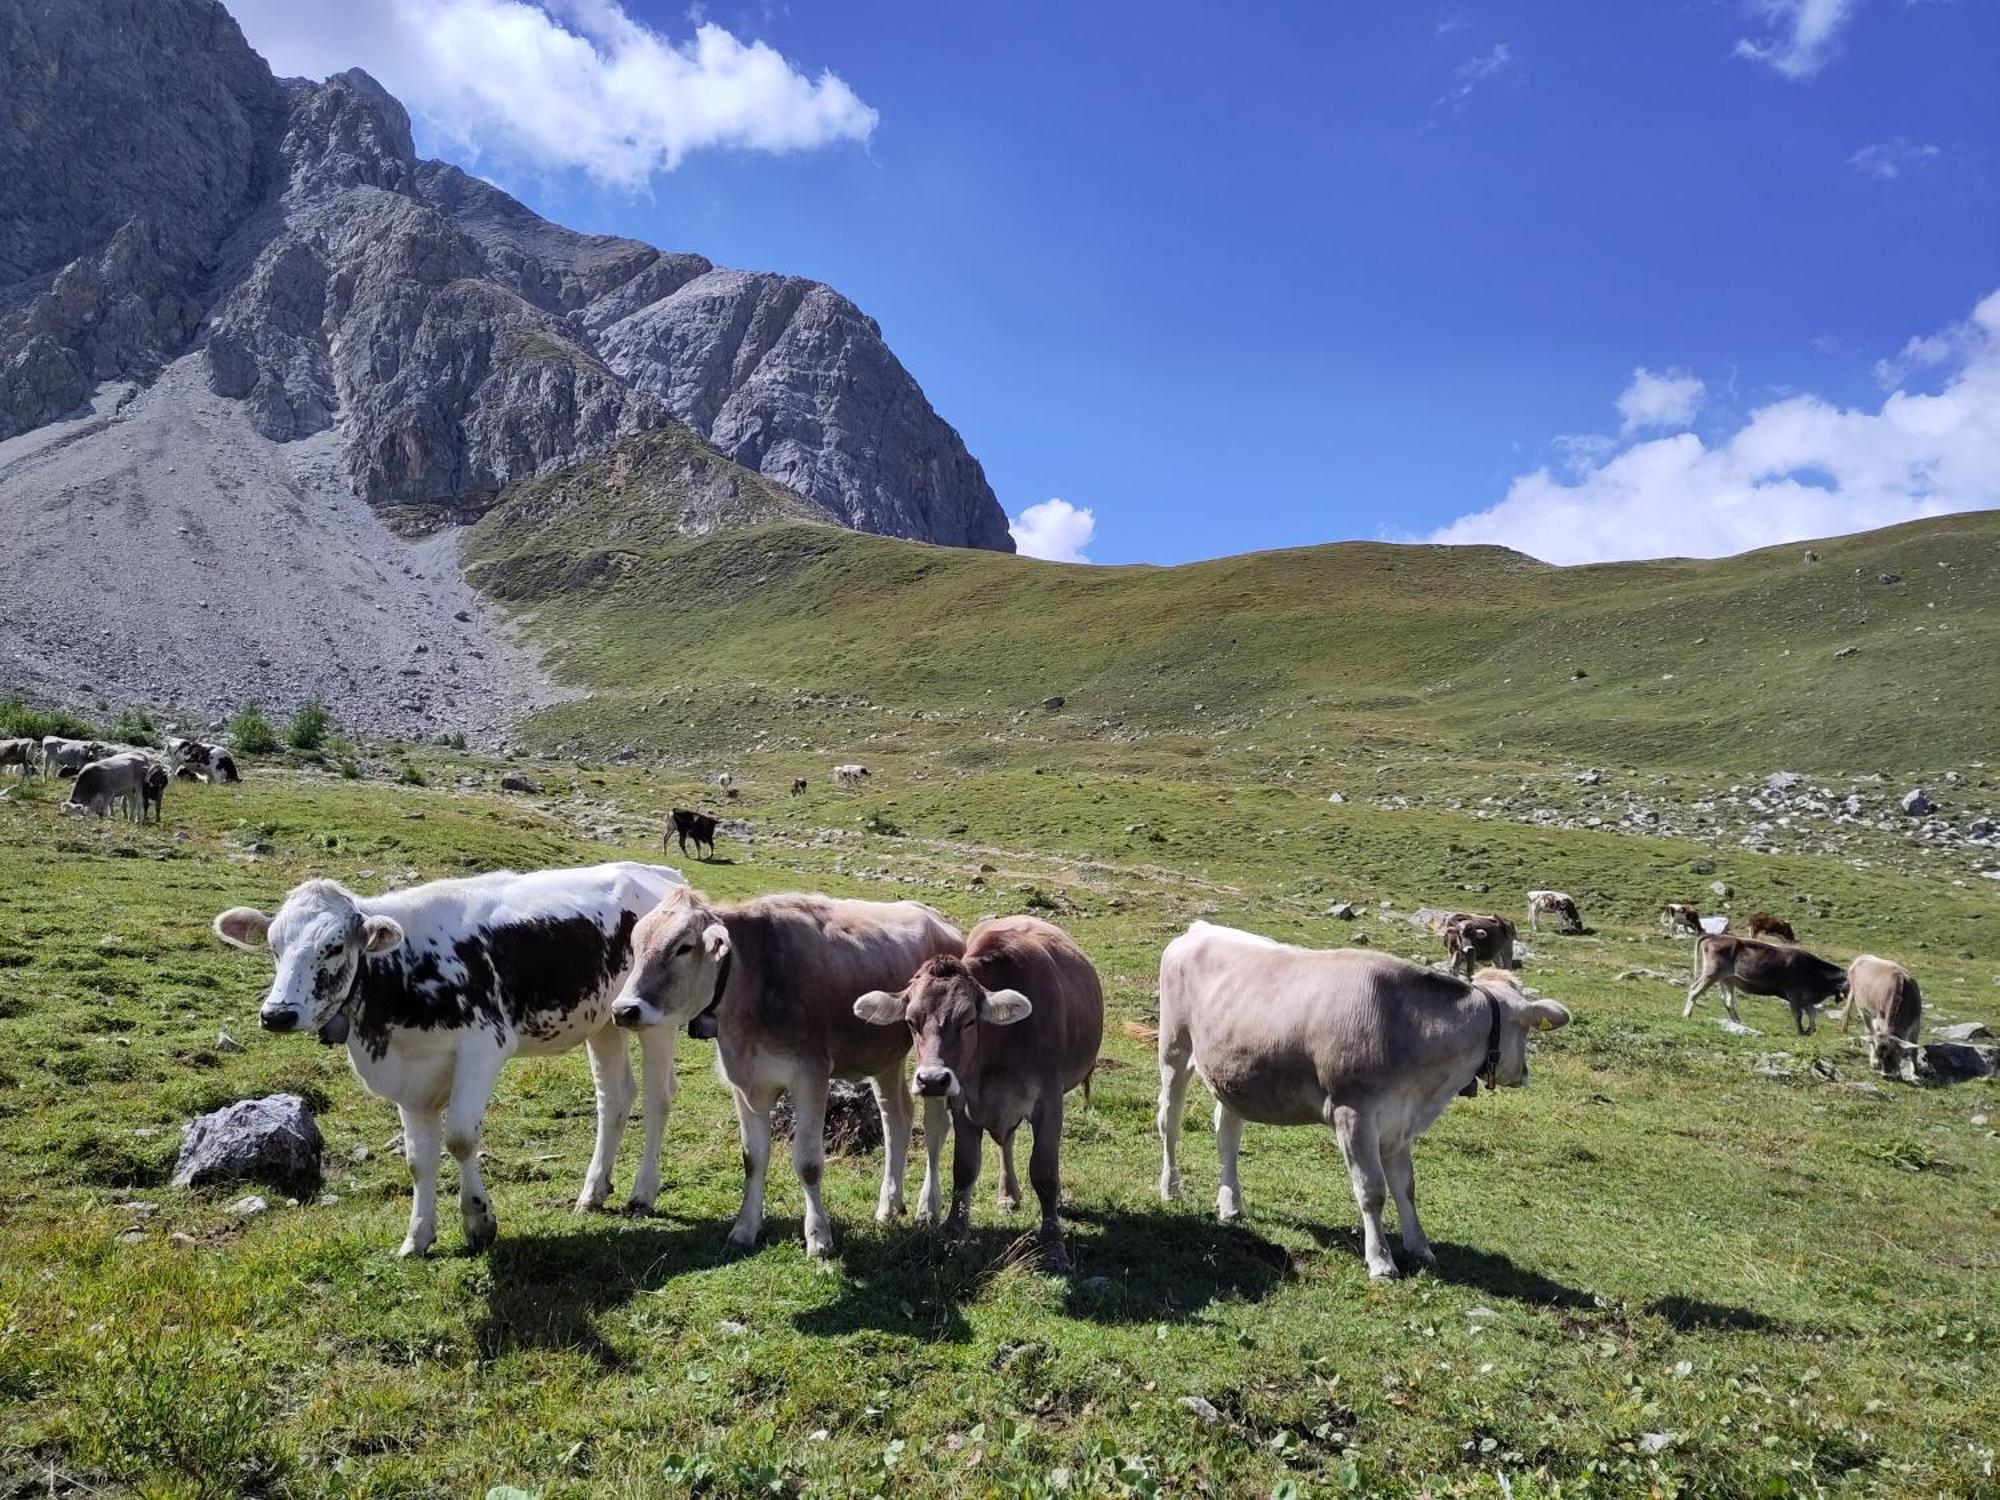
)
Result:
{"points": [[1747, 662]]}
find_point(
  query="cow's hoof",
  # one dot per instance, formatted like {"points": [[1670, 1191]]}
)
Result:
{"points": [[479, 1233], [1170, 1189], [884, 1212], [820, 1248], [414, 1249], [741, 1241], [590, 1200], [1425, 1257], [639, 1208], [1007, 1203], [1384, 1273]]}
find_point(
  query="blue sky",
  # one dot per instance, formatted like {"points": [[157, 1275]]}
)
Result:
{"points": [[1236, 277]]}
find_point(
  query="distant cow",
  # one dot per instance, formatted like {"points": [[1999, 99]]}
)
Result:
{"points": [[66, 757], [119, 779], [1680, 917], [1001, 1035], [1471, 940], [153, 792], [798, 786], [26, 754], [1371, 1045], [203, 761], [697, 826], [1801, 979], [435, 987], [1892, 1007], [774, 981], [1557, 904], [850, 777], [1763, 925]]}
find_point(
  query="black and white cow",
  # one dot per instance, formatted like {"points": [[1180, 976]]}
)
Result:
{"points": [[433, 989]]}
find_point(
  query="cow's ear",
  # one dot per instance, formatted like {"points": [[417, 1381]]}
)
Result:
{"points": [[879, 1008], [380, 934], [715, 940], [1545, 1015], [1003, 1007], [243, 927]]}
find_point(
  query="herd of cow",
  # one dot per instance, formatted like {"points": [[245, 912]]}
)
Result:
{"points": [[127, 777]]}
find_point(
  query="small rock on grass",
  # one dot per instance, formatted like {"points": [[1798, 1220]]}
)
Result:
{"points": [[1203, 1408], [248, 1206]]}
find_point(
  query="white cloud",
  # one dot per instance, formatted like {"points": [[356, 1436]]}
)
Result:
{"points": [[1055, 530], [1659, 400], [1887, 160], [1474, 71], [1801, 34], [1800, 467], [564, 83]]}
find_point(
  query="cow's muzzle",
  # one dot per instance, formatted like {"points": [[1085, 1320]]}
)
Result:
{"points": [[628, 1013], [278, 1020], [934, 1083]]}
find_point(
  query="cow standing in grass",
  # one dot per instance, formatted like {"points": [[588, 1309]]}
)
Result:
{"points": [[434, 988], [1802, 980], [1891, 1006]]}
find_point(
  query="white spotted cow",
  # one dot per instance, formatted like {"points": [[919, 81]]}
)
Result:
{"points": [[435, 987], [850, 776]]}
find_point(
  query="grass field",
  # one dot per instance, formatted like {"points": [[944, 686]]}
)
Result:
{"points": [[1673, 1264]]}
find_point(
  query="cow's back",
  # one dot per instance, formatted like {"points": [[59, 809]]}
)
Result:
{"points": [[801, 961], [1065, 1027], [1887, 991]]}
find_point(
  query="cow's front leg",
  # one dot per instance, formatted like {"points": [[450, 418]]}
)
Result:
{"points": [[1695, 992], [611, 1072], [476, 1067], [753, 1121], [1359, 1144], [937, 1125], [967, 1142], [1228, 1142], [657, 1081], [1402, 1174], [1009, 1197], [423, 1139], [893, 1099], [1805, 1017], [1174, 1075], [809, 1158], [1045, 1173]]}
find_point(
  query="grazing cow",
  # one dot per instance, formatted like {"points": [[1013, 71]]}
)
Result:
{"points": [[1763, 925], [222, 767], [26, 754], [1892, 1007], [798, 786], [1801, 979], [1001, 1035], [1557, 904], [774, 981], [153, 792], [116, 778], [202, 761], [850, 777], [1681, 917], [435, 987], [1371, 1045], [697, 826], [1471, 940], [66, 757]]}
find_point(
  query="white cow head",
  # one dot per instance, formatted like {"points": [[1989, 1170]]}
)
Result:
{"points": [[1520, 1014], [318, 938], [680, 964]]}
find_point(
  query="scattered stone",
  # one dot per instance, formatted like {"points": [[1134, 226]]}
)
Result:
{"points": [[1341, 911], [1203, 1408], [1641, 972], [731, 1327], [514, 781], [1846, 651], [224, 1042], [1055, 702], [1782, 783], [1736, 1028], [1701, 867], [853, 1119], [248, 1206], [1719, 888], [1962, 1031], [1773, 1064], [1335, 798], [1811, 556], [1916, 803], [132, 1236], [1888, 577], [272, 1140], [1590, 778]]}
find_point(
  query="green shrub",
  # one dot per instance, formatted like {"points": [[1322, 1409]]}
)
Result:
{"points": [[409, 775], [134, 726], [250, 733], [310, 726], [18, 721]]}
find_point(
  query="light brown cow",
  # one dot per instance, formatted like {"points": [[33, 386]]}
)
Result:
{"points": [[1471, 940], [1001, 1035], [1892, 1007], [774, 980], [1764, 926], [1368, 1044], [119, 779]]}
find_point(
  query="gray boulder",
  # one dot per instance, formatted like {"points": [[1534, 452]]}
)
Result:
{"points": [[1917, 803], [273, 1140], [1962, 1031]]}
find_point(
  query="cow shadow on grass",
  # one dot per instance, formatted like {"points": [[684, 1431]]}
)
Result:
{"points": [[547, 1291], [1144, 1266]]}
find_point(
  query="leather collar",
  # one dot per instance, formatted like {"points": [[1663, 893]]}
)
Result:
{"points": [[704, 1026]]}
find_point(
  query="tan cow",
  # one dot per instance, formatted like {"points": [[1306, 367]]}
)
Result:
{"points": [[119, 779], [1370, 1045], [774, 980], [1471, 940], [1001, 1035], [1892, 1007]]}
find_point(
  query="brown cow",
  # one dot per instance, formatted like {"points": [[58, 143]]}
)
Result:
{"points": [[1471, 940], [1681, 917], [1801, 979], [774, 981], [1892, 1007], [1763, 925], [1001, 1034]]}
